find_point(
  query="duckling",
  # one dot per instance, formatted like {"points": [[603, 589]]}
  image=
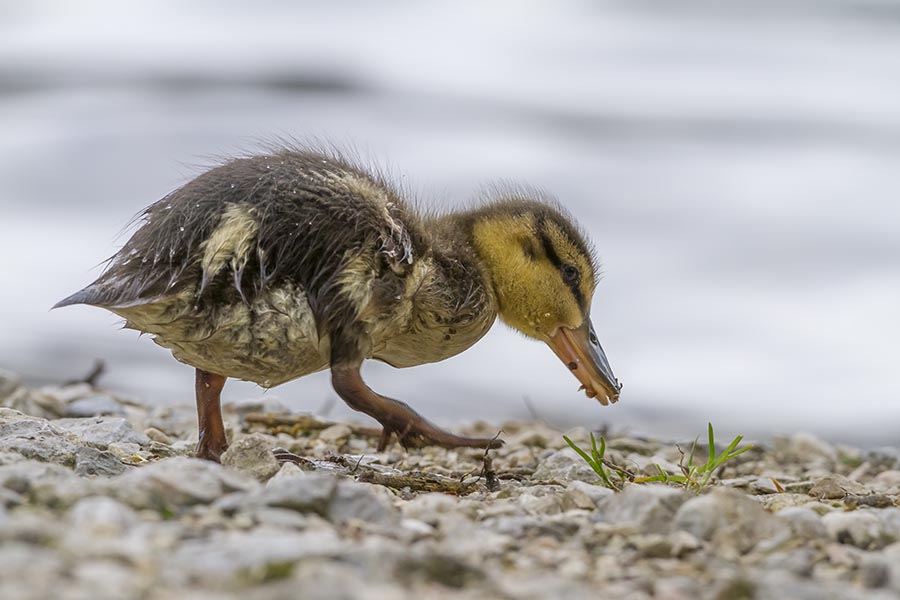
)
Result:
{"points": [[271, 267]]}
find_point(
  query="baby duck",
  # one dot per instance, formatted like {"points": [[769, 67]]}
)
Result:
{"points": [[271, 267]]}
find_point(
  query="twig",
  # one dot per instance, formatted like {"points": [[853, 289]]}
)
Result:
{"points": [[284, 456], [297, 424], [92, 377], [487, 467], [418, 482]]}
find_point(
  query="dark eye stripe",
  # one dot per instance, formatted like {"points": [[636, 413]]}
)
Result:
{"points": [[553, 257]]}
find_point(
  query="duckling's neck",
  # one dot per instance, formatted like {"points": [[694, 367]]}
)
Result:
{"points": [[460, 269]]}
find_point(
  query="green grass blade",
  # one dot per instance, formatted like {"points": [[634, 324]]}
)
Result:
{"points": [[691, 457], [581, 453], [595, 465], [712, 444], [739, 452]]}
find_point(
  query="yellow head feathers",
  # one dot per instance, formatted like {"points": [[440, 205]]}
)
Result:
{"points": [[542, 270]]}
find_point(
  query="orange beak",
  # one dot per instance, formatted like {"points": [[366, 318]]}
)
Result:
{"points": [[581, 352]]}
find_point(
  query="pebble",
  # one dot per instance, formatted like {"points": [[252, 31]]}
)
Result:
{"points": [[647, 507], [35, 438], [157, 435], [860, 528], [92, 462], [807, 449], [804, 522], [726, 517], [835, 487], [336, 434], [171, 484], [100, 432], [94, 405], [253, 455]]}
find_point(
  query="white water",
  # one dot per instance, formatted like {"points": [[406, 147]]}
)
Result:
{"points": [[736, 164]]}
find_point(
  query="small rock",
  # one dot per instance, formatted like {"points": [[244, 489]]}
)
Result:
{"points": [[157, 435], [540, 504], [807, 449], [804, 522], [676, 588], [264, 554], [683, 543], [778, 502], [416, 530], [726, 517], [173, 483], [67, 393], [799, 561], [648, 507], [652, 545], [336, 434], [563, 466], [94, 405], [34, 403], [428, 507], [102, 515], [100, 432], [338, 500], [860, 528], [288, 469], [764, 485], [253, 455], [836, 487], [309, 492], [92, 462], [127, 452], [583, 495], [362, 502], [887, 457], [35, 438], [42, 483], [874, 571], [887, 481]]}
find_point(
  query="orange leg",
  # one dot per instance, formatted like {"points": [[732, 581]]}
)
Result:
{"points": [[209, 416], [411, 428]]}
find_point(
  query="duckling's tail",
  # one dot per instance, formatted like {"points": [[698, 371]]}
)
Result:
{"points": [[85, 296], [95, 294]]}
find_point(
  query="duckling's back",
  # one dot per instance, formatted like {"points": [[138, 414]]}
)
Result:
{"points": [[248, 269]]}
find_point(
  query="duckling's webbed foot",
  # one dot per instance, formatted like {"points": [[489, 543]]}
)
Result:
{"points": [[411, 428]]}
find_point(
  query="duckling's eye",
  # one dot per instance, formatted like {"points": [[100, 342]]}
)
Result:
{"points": [[529, 251], [570, 274]]}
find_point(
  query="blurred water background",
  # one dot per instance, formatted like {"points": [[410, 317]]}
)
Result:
{"points": [[736, 164]]}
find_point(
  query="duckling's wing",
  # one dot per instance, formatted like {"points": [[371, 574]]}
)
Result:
{"points": [[238, 230]]}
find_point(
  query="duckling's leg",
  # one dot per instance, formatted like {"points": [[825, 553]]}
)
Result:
{"points": [[411, 428], [209, 416]]}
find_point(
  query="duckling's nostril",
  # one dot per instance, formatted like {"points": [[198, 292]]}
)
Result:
{"points": [[572, 365]]}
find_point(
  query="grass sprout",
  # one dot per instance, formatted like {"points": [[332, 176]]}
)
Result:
{"points": [[693, 476], [595, 459]]}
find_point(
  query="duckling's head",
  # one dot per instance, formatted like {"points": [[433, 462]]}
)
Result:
{"points": [[543, 272]]}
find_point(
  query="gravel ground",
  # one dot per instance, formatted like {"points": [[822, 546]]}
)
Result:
{"points": [[99, 498]]}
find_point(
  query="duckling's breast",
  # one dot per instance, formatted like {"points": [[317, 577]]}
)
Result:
{"points": [[447, 309]]}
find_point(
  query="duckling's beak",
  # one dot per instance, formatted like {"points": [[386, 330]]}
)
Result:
{"points": [[580, 350]]}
